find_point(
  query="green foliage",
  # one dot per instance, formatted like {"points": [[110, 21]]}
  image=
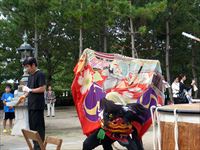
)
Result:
{"points": [[142, 30], [2, 88], [58, 24], [150, 10]]}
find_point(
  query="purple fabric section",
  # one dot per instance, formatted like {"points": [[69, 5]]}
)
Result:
{"points": [[92, 102], [148, 99]]}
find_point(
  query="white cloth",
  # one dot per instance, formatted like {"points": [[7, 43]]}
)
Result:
{"points": [[21, 120], [12, 103], [195, 88], [50, 109], [21, 116], [26, 89], [175, 89]]}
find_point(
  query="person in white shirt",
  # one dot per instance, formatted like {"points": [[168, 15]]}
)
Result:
{"points": [[176, 89]]}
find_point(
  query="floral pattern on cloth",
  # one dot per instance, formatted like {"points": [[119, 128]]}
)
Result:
{"points": [[85, 81]]}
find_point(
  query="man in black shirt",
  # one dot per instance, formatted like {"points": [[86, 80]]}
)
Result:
{"points": [[35, 93]]}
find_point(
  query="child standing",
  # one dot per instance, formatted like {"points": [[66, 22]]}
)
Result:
{"points": [[8, 110]]}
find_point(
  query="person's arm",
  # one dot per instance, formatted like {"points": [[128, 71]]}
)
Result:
{"points": [[41, 84], [40, 89], [187, 88], [27, 90], [2, 97]]}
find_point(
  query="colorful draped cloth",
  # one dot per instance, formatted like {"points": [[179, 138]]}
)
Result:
{"points": [[133, 80]]}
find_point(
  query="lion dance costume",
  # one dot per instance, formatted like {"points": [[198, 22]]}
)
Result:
{"points": [[113, 95]]}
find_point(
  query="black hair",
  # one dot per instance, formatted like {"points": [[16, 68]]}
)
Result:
{"points": [[181, 76], [30, 61], [9, 86], [48, 86]]}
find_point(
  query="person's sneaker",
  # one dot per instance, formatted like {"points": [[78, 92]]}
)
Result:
{"points": [[4, 131]]}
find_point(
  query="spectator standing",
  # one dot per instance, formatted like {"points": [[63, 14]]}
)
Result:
{"points": [[50, 100]]}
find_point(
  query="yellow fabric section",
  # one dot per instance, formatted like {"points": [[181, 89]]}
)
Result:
{"points": [[117, 98]]}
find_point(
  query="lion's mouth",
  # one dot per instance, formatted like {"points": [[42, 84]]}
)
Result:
{"points": [[117, 126], [118, 136]]}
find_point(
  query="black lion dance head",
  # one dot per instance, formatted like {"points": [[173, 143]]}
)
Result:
{"points": [[117, 118]]}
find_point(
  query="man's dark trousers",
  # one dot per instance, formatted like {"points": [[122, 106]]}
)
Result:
{"points": [[36, 123]]}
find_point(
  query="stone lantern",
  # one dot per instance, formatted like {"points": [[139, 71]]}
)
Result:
{"points": [[21, 110], [26, 51]]}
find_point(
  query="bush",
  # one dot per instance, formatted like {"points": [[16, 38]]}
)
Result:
{"points": [[63, 97]]}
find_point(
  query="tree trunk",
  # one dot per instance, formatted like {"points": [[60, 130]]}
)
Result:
{"points": [[167, 58], [105, 40], [81, 41], [100, 48], [133, 49], [81, 34], [49, 78], [194, 73], [49, 67], [36, 38]]}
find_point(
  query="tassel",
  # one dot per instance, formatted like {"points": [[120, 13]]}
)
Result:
{"points": [[101, 134]]}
